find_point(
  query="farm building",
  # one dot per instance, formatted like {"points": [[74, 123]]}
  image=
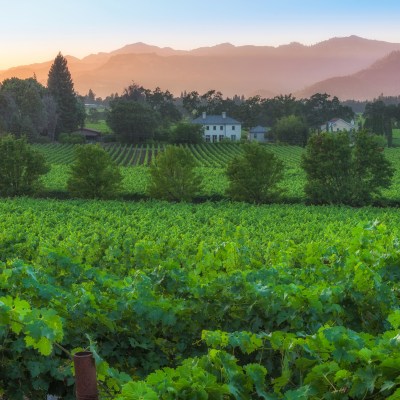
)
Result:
{"points": [[90, 135], [219, 127], [258, 134], [337, 125]]}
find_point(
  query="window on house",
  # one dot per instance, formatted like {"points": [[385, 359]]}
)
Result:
{"points": [[233, 127], [214, 128], [207, 128], [207, 138], [221, 138], [255, 136], [215, 138], [221, 128], [233, 138]]}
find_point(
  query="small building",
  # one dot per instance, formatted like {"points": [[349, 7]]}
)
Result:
{"points": [[338, 125], [259, 134], [219, 127], [91, 135]]}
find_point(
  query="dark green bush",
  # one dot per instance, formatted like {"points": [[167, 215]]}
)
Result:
{"points": [[173, 177], [20, 167], [93, 174], [255, 176]]}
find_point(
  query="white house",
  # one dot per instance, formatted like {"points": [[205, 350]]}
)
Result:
{"points": [[257, 134], [337, 125], [219, 127]]}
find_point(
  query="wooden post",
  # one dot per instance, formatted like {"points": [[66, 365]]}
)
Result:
{"points": [[85, 376]]}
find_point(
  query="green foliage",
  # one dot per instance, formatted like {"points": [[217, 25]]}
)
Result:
{"points": [[23, 110], [291, 130], [255, 175], [379, 119], [319, 109], [229, 301], [71, 112], [328, 164], [186, 133], [372, 170], [172, 175], [134, 121], [20, 167], [93, 174], [71, 138], [339, 171]]}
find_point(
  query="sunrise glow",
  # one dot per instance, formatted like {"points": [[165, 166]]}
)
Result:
{"points": [[36, 31]]}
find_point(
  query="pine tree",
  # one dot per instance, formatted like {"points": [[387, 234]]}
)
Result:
{"points": [[70, 110]]}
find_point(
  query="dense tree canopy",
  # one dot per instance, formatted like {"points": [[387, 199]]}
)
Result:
{"points": [[139, 114], [255, 176], [71, 113], [93, 175], [340, 171], [20, 167], [292, 130], [173, 177], [319, 109], [380, 118], [134, 121], [185, 132], [24, 108]]}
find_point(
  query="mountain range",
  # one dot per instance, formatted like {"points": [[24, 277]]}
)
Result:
{"points": [[348, 67]]}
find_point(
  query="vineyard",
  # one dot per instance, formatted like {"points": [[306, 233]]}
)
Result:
{"points": [[206, 154], [211, 160], [209, 301]]}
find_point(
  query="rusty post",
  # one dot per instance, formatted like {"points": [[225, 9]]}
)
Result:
{"points": [[85, 376]]}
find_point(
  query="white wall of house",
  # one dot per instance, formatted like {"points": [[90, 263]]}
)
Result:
{"points": [[338, 125], [222, 129], [221, 132]]}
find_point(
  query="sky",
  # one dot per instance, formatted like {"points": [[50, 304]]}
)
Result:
{"points": [[35, 31]]}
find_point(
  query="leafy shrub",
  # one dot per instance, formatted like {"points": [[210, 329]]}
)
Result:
{"points": [[93, 174], [20, 167], [340, 171], [292, 130], [254, 176], [71, 138], [185, 132], [173, 177]]}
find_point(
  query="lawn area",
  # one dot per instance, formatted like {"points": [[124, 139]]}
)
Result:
{"points": [[100, 126]]}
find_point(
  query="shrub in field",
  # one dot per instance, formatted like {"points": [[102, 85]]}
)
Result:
{"points": [[93, 174], [342, 171], [372, 171], [291, 129], [20, 167], [173, 177], [185, 132], [255, 175], [328, 163], [71, 138]]}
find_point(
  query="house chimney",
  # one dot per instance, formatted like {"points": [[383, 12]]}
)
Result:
{"points": [[223, 114], [204, 115]]}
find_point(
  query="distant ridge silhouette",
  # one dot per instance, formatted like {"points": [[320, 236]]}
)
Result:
{"points": [[349, 67]]}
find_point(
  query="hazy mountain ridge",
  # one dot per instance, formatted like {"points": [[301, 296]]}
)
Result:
{"points": [[248, 70], [382, 77]]}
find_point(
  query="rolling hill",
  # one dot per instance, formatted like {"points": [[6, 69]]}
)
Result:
{"points": [[382, 77], [248, 70]]}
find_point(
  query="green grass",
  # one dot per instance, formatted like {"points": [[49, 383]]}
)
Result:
{"points": [[100, 126], [213, 173]]}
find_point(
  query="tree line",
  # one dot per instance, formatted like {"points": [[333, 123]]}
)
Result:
{"points": [[27, 108], [340, 169]]}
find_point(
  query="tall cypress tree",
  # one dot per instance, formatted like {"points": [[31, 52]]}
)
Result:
{"points": [[71, 114]]}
